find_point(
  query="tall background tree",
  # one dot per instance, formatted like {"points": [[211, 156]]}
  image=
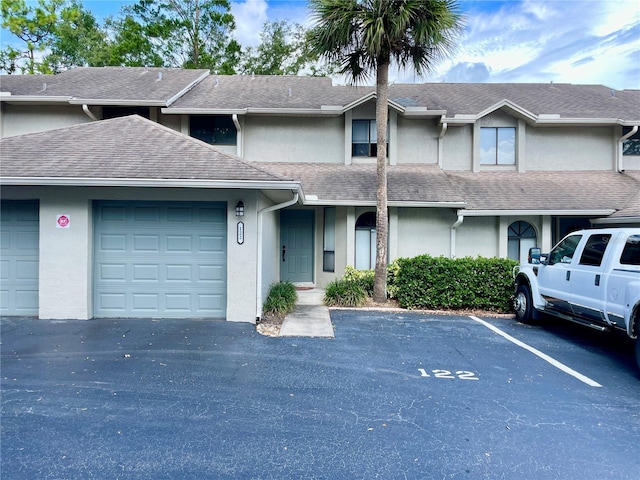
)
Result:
{"points": [[188, 33], [282, 51], [34, 26], [366, 37]]}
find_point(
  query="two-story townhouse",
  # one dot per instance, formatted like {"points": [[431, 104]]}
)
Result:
{"points": [[474, 169]]}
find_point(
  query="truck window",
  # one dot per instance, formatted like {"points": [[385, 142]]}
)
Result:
{"points": [[563, 252], [594, 249], [631, 252]]}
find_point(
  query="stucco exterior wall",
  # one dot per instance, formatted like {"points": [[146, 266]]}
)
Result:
{"points": [[424, 231], [478, 236], [21, 119], [270, 241], [316, 139], [570, 148], [457, 148], [417, 141]]}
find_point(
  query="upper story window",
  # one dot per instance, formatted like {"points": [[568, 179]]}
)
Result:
{"points": [[631, 146], [213, 129], [364, 138], [497, 146]]}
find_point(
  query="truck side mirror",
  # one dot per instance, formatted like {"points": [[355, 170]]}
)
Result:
{"points": [[534, 255]]}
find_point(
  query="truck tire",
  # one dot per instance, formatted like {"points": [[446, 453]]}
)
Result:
{"points": [[522, 304], [637, 342]]}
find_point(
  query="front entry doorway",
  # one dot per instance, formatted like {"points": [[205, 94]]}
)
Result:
{"points": [[296, 246]]}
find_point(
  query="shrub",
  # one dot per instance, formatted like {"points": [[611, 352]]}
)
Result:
{"points": [[364, 278], [445, 283], [281, 299], [344, 293]]}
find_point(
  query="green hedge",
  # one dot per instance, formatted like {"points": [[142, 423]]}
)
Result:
{"points": [[451, 284]]}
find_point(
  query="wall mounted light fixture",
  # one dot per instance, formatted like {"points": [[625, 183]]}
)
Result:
{"points": [[240, 209]]}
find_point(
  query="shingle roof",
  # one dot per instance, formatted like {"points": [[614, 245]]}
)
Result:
{"points": [[247, 91], [235, 92], [566, 100], [357, 183], [539, 191], [108, 84], [532, 191], [122, 148]]}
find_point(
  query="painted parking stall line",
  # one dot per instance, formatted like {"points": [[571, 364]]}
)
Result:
{"points": [[535, 351]]}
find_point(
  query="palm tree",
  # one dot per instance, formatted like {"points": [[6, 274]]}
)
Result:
{"points": [[365, 36]]}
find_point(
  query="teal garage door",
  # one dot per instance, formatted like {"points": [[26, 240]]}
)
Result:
{"points": [[19, 252], [160, 259]]}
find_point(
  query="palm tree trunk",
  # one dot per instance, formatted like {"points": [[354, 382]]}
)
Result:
{"points": [[382, 217]]}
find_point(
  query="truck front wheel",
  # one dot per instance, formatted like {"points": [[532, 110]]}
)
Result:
{"points": [[522, 304]]}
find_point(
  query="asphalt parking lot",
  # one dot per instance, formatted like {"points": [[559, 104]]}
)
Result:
{"points": [[393, 396]]}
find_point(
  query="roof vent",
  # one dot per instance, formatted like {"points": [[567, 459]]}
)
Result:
{"points": [[613, 93], [289, 91], [217, 81], [159, 76], [44, 87]]}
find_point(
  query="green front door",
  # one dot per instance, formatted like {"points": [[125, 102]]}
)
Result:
{"points": [[296, 246]]}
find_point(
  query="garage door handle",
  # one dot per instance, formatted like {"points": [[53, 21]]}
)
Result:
{"points": [[284, 251]]}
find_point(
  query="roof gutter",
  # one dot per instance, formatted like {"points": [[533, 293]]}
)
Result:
{"points": [[314, 201], [240, 139], [151, 182], [261, 213], [619, 155], [85, 109], [454, 227], [559, 213], [443, 131]]}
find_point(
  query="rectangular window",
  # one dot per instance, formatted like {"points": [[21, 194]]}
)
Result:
{"points": [[213, 129], [631, 146], [497, 146], [329, 240], [364, 137]]}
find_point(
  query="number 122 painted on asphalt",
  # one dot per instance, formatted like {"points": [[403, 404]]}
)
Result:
{"points": [[460, 374]]}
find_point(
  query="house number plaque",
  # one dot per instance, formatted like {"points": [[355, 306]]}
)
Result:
{"points": [[240, 233]]}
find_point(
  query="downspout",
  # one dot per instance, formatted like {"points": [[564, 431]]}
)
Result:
{"points": [[272, 208], [453, 234], [240, 141], [85, 109], [621, 140], [443, 130]]}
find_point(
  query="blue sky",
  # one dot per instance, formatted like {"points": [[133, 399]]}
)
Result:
{"points": [[561, 41]]}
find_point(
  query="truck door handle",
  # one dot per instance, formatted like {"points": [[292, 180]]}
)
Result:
{"points": [[597, 282], [284, 251], [568, 275]]}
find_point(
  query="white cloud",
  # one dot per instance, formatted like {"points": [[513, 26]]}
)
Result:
{"points": [[250, 17], [576, 41]]}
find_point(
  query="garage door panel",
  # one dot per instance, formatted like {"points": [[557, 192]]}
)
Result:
{"points": [[19, 244], [146, 243], [179, 244], [150, 263]]}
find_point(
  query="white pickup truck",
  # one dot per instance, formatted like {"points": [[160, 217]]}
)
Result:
{"points": [[591, 277]]}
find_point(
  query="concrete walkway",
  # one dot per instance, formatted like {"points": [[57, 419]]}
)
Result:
{"points": [[310, 318]]}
